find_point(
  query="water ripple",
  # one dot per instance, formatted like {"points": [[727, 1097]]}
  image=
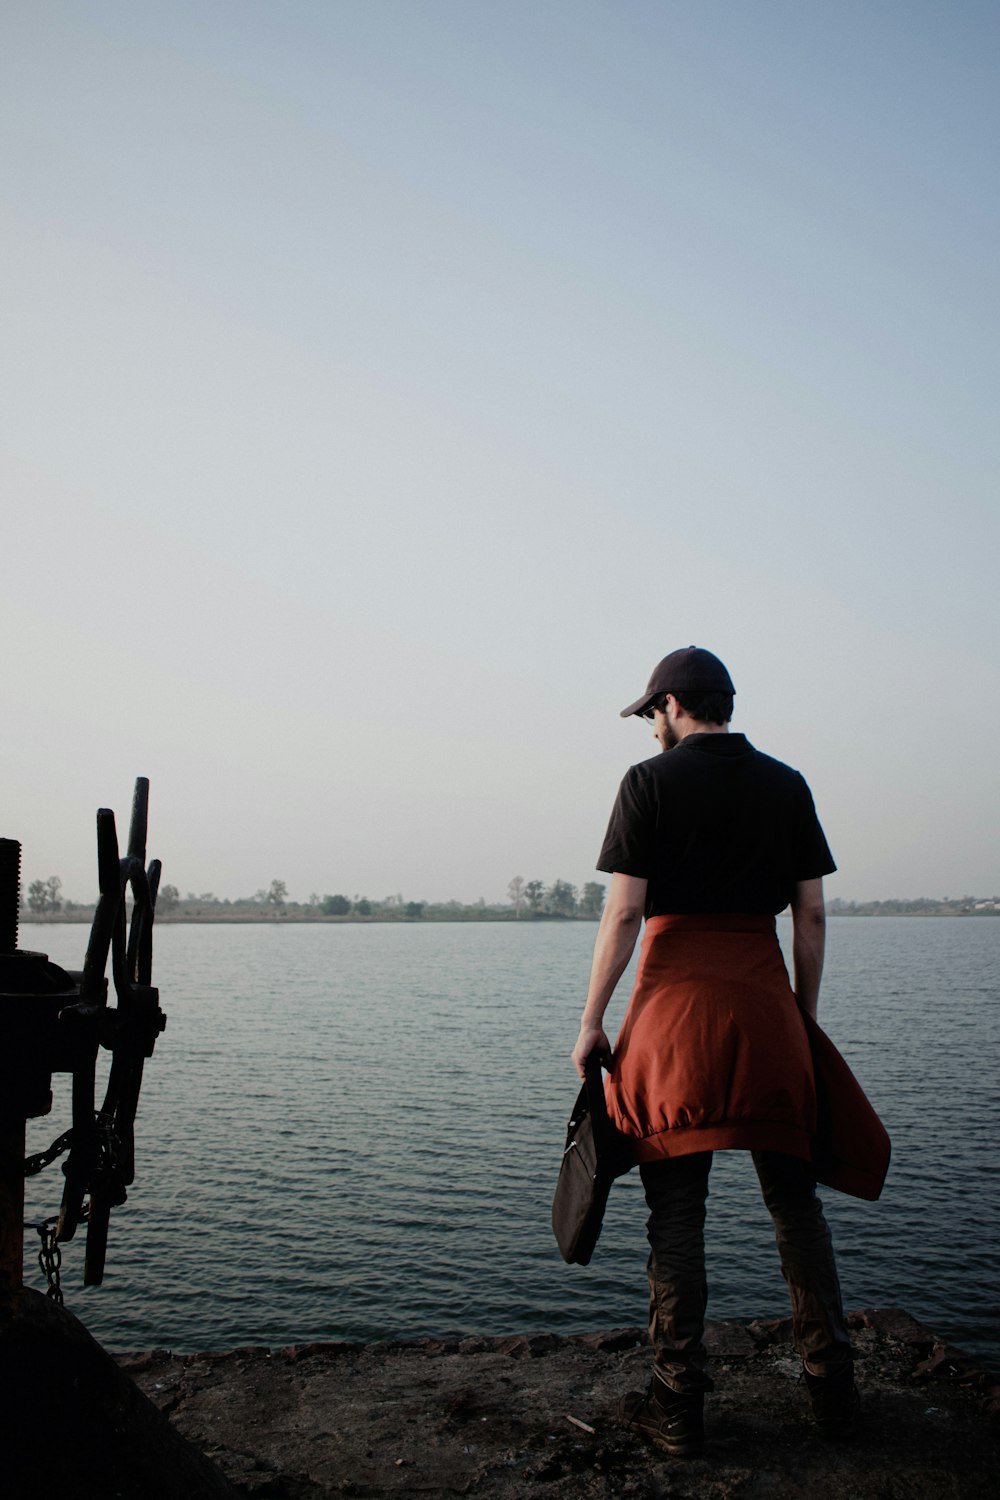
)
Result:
{"points": [[352, 1132]]}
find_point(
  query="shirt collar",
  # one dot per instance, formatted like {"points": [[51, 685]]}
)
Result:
{"points": [[725, 745]]}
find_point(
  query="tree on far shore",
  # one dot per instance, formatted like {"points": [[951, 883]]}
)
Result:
{"points": [[561, 898], [515, 891], [167, 898], [277, 896], [592, 899], [43, 895], [533, 893]]}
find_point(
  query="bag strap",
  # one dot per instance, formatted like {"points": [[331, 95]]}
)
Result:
{"points": [[593, 1080], [612, 1149]]}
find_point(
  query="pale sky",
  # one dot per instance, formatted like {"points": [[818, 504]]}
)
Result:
{"points": [[388, 385]]}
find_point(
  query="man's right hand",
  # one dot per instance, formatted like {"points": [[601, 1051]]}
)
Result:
{"points": [[620, 923], [591, 1039]]}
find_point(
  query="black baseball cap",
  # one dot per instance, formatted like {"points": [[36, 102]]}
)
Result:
{"points": [[692, 669]]}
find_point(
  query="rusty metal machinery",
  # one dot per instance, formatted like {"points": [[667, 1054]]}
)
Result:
{"points": [[54, 1020]]}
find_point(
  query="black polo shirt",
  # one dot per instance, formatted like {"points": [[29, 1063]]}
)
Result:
{"points": [[714, 825]]}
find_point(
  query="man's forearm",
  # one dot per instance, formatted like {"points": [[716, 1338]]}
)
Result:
{"points": [[620, 924], [808, 942], [612, 951], [808, 946]]}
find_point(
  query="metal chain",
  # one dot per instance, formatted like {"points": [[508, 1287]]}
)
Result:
{"points": [[50, 1258], [108, 1144], [107, 1147], [41, 1159]]}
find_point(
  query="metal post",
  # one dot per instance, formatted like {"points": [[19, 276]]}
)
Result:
{"points": [[11, 1208], [11, 1129], [10, 893]]}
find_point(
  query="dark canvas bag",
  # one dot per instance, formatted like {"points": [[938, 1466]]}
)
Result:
{"points": [[595, 1154]]}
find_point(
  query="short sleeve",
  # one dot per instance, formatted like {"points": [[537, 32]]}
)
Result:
{"points": [[628, 847], [813, 859]]}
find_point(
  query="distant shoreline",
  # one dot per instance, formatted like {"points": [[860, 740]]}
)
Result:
{"points": [[84, 915]]}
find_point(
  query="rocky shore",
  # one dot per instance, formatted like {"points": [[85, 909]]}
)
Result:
{"points": [[519, 1416]]}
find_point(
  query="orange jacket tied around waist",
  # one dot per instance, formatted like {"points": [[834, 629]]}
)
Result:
{"points": [[714, 1053]]}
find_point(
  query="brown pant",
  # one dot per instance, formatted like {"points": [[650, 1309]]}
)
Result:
{"points": [[676, 1190]]}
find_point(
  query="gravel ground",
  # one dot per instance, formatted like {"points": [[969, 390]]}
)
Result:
{"points": [[513, 1417]]}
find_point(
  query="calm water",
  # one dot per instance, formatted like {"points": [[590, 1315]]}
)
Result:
{"points": [[353, 1132]]}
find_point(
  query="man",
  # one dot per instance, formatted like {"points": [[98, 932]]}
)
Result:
{"points": [[709, 841]]}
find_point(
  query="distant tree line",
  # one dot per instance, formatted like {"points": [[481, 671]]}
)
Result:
{"points": [[560, 899], [361, 906], [920, 906], [528, 899]]}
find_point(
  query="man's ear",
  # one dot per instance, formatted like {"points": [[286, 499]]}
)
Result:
{"points": [[677, 710]]}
